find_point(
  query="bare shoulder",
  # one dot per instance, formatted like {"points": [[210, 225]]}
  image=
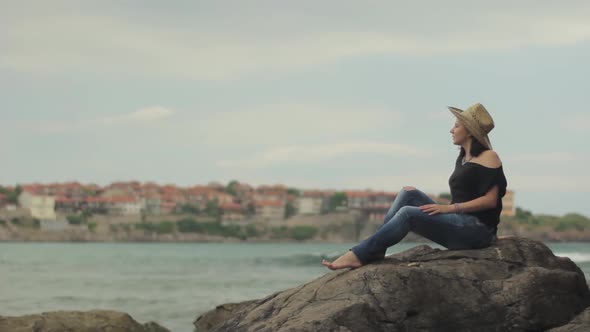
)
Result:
{"points": [[489, 158]]}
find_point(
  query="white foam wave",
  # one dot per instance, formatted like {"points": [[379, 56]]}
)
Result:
{"points": [[578, 257]]}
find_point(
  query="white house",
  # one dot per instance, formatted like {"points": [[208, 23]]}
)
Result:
{"points": [[41, 207], [508, 207], [357, 199], [151, 205], [270, 210], [310, 205], [124, 206]]}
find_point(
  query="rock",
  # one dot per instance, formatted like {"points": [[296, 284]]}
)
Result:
{"points": [[77, 321], [581, 323], [220, 314], [515, 285]]}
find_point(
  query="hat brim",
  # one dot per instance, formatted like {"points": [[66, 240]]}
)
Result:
{"points": [[481, 137]]}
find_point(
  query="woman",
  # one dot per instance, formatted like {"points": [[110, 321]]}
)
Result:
{"points": [[477, 186]]}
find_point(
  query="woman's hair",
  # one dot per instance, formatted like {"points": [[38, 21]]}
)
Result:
{"points": [[476, 148]]}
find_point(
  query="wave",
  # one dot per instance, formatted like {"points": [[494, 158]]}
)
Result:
{"points": [[299, 259], [316, 258], [577, 257]]}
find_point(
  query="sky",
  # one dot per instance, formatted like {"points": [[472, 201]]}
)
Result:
{"points": [[311, 94]]}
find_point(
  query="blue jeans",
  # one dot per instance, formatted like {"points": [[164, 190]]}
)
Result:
{"points": [[450, 230]]}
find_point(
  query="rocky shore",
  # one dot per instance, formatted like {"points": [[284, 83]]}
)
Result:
{"points": [[517, 284], [77, 321], [326, 233]]}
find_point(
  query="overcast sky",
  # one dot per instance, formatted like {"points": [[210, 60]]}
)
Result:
{"points": [[311, 94]]}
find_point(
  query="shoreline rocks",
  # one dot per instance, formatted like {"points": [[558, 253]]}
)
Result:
{"points": [[517, 284], [77, 321], [220, 314]]}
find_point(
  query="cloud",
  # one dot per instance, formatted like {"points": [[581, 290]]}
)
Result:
{"points": [[429, 182], [44, 41], [577, 122], [550, 183], [314, 154], [253, 125], [147, 114], [438, 116], [284, 123], [144, 115], [552, 157]]}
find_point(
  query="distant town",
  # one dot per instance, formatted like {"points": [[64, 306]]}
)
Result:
{"points": [[56, 206]]}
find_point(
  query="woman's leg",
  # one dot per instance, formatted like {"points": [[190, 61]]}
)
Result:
{"points": [[453, 231], [407, 196]]}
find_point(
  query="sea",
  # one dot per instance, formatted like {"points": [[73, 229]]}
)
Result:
{"points": [[169, 283]]}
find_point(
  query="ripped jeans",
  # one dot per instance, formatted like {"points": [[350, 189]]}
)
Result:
{"points": [[450, 230]]}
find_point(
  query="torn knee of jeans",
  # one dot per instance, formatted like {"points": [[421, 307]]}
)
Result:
{"points": [[408, 188], [405, 210]]}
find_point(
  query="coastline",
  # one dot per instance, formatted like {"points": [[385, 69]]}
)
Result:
{"points": [[29, 236], [330, 228]]}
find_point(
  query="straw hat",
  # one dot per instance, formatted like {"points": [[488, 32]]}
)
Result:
{"points": [[478, 122]]}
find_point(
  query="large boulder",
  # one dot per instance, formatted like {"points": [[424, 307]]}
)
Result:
{"points": [[77, 321], [581, 323], [515, 285], [220, 314]]}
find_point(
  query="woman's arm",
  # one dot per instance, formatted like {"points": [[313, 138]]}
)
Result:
{"points": [[485, 202]]}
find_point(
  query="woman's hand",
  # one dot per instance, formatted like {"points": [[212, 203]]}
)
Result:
{"points": [[433, 209]]}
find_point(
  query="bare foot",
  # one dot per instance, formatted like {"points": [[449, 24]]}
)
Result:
{"points": [[345, 261]]}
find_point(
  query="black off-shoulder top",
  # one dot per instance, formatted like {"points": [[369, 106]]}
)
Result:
{"points": [[470, 181]]}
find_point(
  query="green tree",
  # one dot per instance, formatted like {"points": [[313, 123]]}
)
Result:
{"points": [[290, 210], [293, 191], [301, 233], [445, 196], [89, 192], [522, 214], [163, 227], [231, 187], [338, 199], [251, 231], [250, 209], [190, 209], [189, 225], [75, 219], [86, 214], [576, 221], [12, 196], [212, 209], [575, 218], [280, 232]]}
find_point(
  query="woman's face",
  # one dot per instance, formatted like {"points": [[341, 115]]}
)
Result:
{"points": [[460, 133]]}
